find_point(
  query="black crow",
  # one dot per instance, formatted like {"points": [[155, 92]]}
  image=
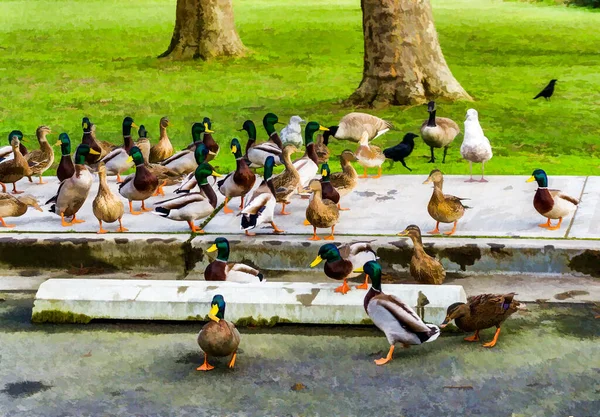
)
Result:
{"points": [[547, 91], [402, 150]]}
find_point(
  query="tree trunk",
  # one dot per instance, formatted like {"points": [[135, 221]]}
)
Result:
{"points": [[204, 29], [403, 61]]}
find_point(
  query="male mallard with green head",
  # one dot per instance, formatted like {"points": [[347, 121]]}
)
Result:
{"points": [[189, 182], [218, 337], [391, 315], [140, 185], [184, 162], [118, 160], [65, 169], [552, 204], [89, 138], [259, 152], [239, 182], [73, 191], [442, 207], [222, 270], [308, 165], [15, 206], [341, 262], [482, 312], [191, 206]]}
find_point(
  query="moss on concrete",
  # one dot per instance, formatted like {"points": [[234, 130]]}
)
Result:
{"points": [[587, 262], [262, 322], [60, 317]]}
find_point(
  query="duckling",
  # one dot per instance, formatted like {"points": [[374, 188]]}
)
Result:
{"points": [[308, 165], [118, 160], [140, 185], [163, 149], [442, 207], [41, 159], [352, 126], [321, 213], [341, 262], [189, 182], [12, 170], [73, 191], [482, 312], [184, 162], [391, 315], [287, 182], [321, 147], [192, 206], [258, 152], [15, 206], [344, 182], [401, 151], [107, 207], [218, 337], [260, 207], [239, 182], [369, 156], [143, 143], [423, 268], [221, 270], [291, 134], [552, 204], [438, 132], [89, 138], [475, 147], [65, 169]]}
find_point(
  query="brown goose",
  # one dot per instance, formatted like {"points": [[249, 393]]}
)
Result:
{"points": [[438, 132]]}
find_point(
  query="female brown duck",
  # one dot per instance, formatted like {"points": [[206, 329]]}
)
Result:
{"points": [[442, 207], [423, 267], [14, 169]]}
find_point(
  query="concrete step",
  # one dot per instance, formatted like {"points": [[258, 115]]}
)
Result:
{"points": [[267, 303]]}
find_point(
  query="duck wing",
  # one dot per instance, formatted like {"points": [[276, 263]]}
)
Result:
{"points": [[560, 194], [127, 179], [112, 154], [180, 201], [175, 157], [256, 203], [405, 315], [491, 304]]}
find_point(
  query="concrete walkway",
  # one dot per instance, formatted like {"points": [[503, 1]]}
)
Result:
{"points": [[500, 208]]}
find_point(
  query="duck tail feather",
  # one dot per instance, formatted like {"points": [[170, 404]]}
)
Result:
{"points": [[161, 211]]}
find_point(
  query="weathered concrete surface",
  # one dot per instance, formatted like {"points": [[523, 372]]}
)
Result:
{"points": [[246, 303], [503, 207], [545, 364], [100, 253], [586, 223], [461, 255]]}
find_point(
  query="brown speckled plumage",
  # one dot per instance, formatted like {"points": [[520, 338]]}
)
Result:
{"points": [[321, 213], [442, 207], [423, 268], [345, 181], [483, 311]]}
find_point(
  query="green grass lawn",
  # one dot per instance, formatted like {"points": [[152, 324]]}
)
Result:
{"points": [[61, 60]]}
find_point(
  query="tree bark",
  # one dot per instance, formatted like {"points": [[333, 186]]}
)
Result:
{"points": [[204, 29], [403, 61]]}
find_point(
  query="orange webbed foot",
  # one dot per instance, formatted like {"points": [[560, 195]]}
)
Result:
{"points": [[474, 338], [344, 288], [315, 237], [205, 367], [434, 232]]}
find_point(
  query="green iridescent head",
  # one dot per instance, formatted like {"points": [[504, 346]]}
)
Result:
{"points": [[198, 131], [200, 153], [127, 125], [539, 175], [325, 172], [373, 271], [217, 308], [269, 165], [204, 171], [135, 155], [222, 246], [86, 125], [82, 151], [250, 128], [269, 122], [328, 252], [236, 148], [309, 131], [15, 134], [142, 132], [65, 144]]}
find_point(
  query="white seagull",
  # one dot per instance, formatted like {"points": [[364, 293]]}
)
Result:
{"points": [[475, 147]]}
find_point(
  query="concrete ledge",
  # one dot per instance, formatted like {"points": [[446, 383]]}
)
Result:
{"points": [[268, 303], [459, 255]]}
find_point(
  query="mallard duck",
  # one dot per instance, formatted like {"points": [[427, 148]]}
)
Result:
{"points": [[163, 149], [189, 182], [73, 191], [118, 159], [308, 165], [140, 185], [207, 139], [89, 138], [41, 159], [192, 206], [442, 207], [482, 312], [328, 191], [218, 337], [321, 213], [65, 169], [12, 170], [321, 147], [260, 206], [393, 317], [15, 206], [6, 152], [438, 132], [401, 151], [552, 204], [143, 143], [258, 152], [184, 162], [352, 126], [475, 147], [107, 207], [369, 156], [221, 270], [287, 182], [239, 182], [291, 134], [341, 262], [344, 182], [423, 268]]}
